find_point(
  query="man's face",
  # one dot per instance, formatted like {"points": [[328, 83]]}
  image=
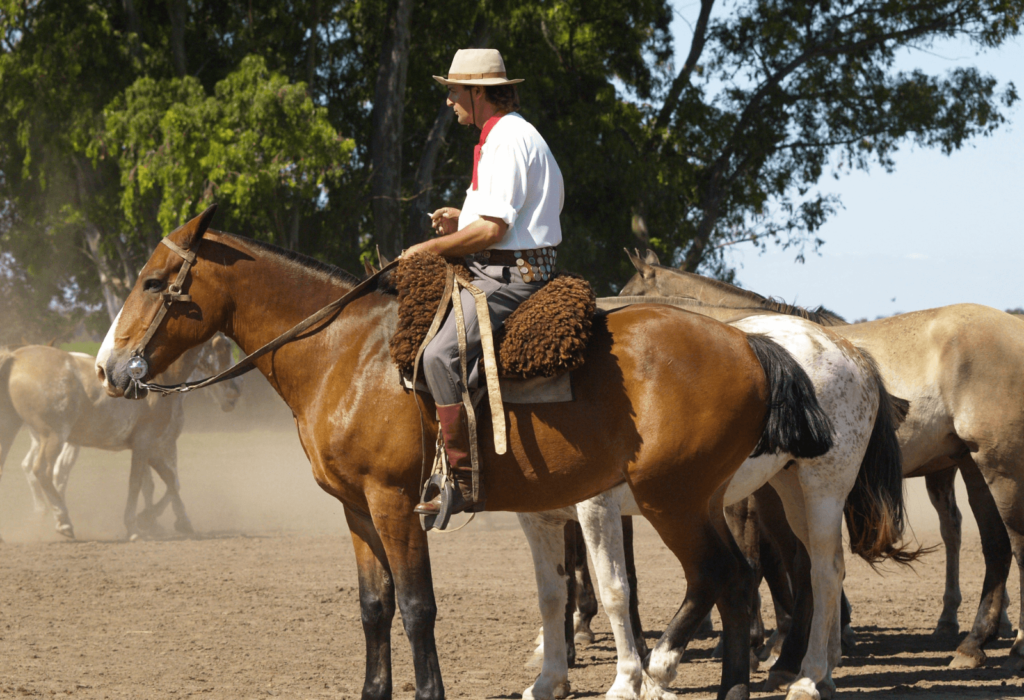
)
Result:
{"points": [[460, 99]]}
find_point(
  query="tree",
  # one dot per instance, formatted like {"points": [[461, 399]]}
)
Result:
{"points": [[771, 95], [258, 146]]}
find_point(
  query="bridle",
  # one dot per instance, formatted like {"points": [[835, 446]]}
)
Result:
{"points": [[138, 367]]}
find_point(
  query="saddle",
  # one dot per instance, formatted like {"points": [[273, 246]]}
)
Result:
{"points": [[546, 336]]}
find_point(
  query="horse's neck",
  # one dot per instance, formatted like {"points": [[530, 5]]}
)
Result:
{"points": [[707, 291], [268, 301]]}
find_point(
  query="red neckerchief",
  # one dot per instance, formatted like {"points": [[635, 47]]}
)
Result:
{"points": [[488, 125]]}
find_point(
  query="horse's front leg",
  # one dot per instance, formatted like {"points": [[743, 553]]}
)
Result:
{"points": [[376, 603], [546, 534], [408, 558]]}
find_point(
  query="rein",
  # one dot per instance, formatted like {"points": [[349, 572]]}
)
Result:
{"points": [[137, 365]]}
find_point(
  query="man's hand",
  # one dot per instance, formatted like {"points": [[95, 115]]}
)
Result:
{"points": [[445, 220]]}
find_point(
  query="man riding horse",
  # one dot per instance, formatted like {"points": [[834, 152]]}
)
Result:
{"points": [[507, 229]]}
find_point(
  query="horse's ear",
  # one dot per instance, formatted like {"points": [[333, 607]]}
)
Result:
{"points": [[651, 258], [368, 267], [642, 267], [195, 228], [381, 260]]}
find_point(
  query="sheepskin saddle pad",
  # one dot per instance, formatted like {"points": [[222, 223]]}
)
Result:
{"points": [[546, 336]]}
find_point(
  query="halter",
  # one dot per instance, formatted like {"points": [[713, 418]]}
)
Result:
{"points": [[138, 367]]}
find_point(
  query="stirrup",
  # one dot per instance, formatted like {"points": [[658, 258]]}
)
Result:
{"points": [[446, 490]]}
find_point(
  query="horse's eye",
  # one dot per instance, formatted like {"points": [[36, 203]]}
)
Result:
{"points": [[154, 284]]}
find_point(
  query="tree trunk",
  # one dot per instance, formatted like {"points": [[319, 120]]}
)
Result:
{"points": [[111, 299], [419, 224], [386, 137], [423, 183], [134, 31], [178, 10], [314, 27]]}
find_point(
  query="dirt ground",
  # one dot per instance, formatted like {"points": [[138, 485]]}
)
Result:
{"points": [[263, 601]]}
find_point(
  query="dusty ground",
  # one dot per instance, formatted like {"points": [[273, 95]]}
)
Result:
{"points": [[264, 602]]}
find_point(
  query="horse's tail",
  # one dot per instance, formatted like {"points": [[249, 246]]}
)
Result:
{"points": [[6, 407], [875, 515], [796, 422]]}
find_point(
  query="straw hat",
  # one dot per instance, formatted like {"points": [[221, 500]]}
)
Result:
{"points": [[477, 67]]}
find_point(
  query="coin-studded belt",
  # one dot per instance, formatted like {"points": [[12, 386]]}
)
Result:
{"points": [[534, 264]]}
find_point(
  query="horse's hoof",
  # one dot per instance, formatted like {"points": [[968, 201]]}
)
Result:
{"points": [[134, 537], [66, 530], [803, 689], [1006, 630], [1014, 663], [778, 680], [755, 663], [848, 640], [946, 628], [562, 690], [738, 692], [184, 527], [650, 689], [827, 689], [584, 637], [962, 660]]}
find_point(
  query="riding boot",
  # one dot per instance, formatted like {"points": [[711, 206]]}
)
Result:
{"points": [[455, 431]]}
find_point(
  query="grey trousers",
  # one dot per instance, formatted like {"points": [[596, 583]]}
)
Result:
{"points": [[505, 291]]}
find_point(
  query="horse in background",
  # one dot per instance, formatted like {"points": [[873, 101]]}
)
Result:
{"points": [[958, 366], [57, 396]]}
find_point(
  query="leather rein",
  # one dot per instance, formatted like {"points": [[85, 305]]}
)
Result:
{"points": [[138, 365]]}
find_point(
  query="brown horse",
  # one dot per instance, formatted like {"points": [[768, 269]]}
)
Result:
{"points": [[670, 402], [959, 368]]}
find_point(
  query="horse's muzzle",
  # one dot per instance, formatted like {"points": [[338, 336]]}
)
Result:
{"points": [[122, 378]]}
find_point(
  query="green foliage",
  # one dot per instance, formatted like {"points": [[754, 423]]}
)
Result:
{"points": [[105, 144], [258, 146]]}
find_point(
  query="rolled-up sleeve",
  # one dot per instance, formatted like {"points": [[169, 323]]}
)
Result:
{"points": [[501, 184]]}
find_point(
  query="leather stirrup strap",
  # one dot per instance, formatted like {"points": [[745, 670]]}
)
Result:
{"points": [[490, 366], [435, 325]]}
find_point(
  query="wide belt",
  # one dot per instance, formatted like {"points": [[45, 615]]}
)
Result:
{"points": [[534, 264]]}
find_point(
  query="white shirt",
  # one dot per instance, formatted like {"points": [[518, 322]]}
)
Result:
{"points": [[518, 181]]}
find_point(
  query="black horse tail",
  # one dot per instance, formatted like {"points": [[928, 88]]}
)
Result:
{"points": [[796, 423], [874, 511]]}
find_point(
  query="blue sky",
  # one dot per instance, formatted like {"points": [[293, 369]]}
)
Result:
{"points": [[939, 230]]}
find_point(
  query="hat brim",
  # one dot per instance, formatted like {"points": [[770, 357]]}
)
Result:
{"points": [[481, 82]]}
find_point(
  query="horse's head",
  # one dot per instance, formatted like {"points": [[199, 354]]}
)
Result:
{"points": [[646, 280], [215, 359], [175, 305]]}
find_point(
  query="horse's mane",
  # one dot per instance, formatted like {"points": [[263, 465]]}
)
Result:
{"points": [[307, 263], [819, 315]]}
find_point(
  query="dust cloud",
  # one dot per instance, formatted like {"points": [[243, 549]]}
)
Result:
{"points": [[244, 473], [241, 472]]}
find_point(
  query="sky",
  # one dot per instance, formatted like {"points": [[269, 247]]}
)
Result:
{"points": [[939, 230]]}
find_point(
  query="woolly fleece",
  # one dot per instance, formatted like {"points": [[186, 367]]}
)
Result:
{"points": [[546, 336]]}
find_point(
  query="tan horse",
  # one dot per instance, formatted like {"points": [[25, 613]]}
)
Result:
{"points": [[57, 396], [959, 366], [670, 402]]}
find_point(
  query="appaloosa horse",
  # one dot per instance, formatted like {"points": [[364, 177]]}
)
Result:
{"points": [[862, 474], [959, 366], [57, 396], [646, 367]]}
